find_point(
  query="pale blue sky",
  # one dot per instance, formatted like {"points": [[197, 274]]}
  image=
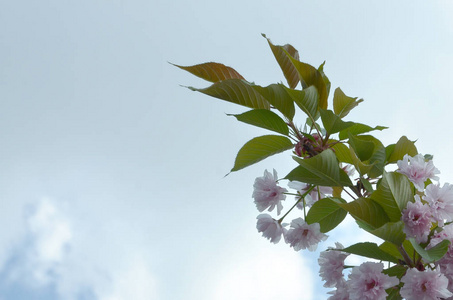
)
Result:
{"points": [[111, 174]]}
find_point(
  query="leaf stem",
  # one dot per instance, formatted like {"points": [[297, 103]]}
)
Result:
{"points": [[297, 202], [349, 194], [406, 257], [293, 127]]}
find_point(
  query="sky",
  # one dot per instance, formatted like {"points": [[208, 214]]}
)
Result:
{"points": [[112, 179]]}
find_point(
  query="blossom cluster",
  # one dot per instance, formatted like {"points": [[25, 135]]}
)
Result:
{"points": [[268, 195], [428, 219]]}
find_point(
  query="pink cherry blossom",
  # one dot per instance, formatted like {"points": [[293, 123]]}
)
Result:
{"points": [[271, 228], [446, 268], [440, 199], [304, 236], [424, 285], [341, 292], [417, 170], [313, 196], [267, 193], [417, 220], [331, 264], [367, 282], [445, 234]]}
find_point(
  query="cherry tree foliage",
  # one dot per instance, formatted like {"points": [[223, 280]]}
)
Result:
{"points": [[340, 169]]}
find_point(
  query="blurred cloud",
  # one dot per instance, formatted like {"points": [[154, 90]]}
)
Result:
{"points": [[54, 254], [43, 247], [50, 234]]}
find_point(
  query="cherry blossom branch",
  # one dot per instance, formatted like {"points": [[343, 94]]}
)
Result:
{"points": [[297, 202], [406, 257]]}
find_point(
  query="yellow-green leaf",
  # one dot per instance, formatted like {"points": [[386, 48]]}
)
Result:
{"points": [[367, 211], [370, 250], [332, 123], [236, 91], [322, 169], [393, 193], [276, 95], [309, 76], [343, 104], [402, 147], [307, 100], [265, 119], [327, 213], [361, 167], [370, 151], [325, 78], [391, 232], [342, 152], [358, 128], [260, 148], [433, 254]]}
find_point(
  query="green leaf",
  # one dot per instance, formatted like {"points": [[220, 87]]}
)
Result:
{"points": [[433, 254], [322, 169], [371, 152], [370, 250], [407, 245], [367, 211], [391, 232], [336, 193], [367, 185], [363, 146], [259, 148], [377, 160], [307, 100], [280, 53], [342, 152], [343, 104], [393, 293], [398, 271], [236, 91], [327, 213], [265, 119], [332, 123], [276, 95], [212, 72], [388, 151], [324, 77], [395, 271], [363, 225], [402, 147], [309, 76], [358, 128], [361, 167], [392, 194], [391, 249]]}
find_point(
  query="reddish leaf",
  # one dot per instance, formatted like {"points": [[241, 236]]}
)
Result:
{"points": [[212, 71]]}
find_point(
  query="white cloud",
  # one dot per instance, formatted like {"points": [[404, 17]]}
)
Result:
{"points": [[75, 255], [45, 246], [51, 233]]}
